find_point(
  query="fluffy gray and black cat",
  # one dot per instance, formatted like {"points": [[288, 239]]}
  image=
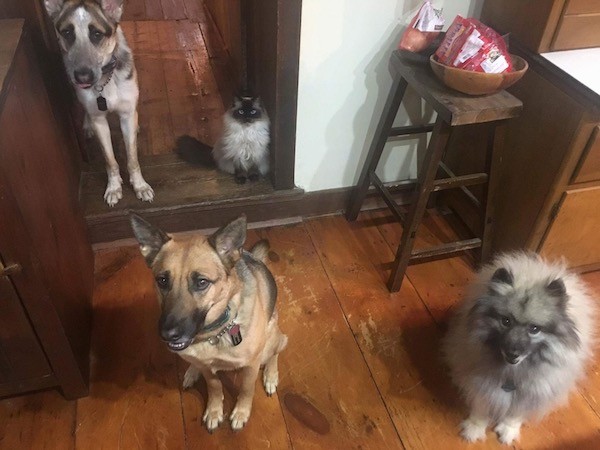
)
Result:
{"points": [[243, 148]]}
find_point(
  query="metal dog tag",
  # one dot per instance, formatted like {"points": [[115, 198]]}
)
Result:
{"points": [[509, 386], [101, 101], [236, 334]]}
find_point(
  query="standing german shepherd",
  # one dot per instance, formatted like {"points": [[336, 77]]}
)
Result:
{"points": [[218, 310], [100, 65]]}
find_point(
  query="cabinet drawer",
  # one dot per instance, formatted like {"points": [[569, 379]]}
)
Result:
{"points": [[577, 31], [582, 7], [589, 166], [573, 233]]}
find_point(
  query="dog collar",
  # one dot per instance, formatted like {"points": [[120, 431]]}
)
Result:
{"points": [[106, 69], [221, 320]]}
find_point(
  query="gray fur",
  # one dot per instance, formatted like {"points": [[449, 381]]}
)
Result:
{"points": [[243, 148], [493, 342]]}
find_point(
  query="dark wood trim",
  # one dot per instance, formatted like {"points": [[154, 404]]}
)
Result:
{"points": [[278, 206], [28, 386], [289, 15]]}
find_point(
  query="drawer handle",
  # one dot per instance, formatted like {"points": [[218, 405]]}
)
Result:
{"points": [[11, 269]]}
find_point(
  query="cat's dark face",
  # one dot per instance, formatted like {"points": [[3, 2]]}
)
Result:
{"points": [[246, 109]]}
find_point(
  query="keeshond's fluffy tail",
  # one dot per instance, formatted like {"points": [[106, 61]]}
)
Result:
{"points": [[192, 151], [260, 250]]}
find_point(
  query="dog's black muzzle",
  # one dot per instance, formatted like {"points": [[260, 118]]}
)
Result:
{"points": [[179, 332]]}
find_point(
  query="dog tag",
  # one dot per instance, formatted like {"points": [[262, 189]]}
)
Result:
{"points": [[236, 334], [101, 101]]}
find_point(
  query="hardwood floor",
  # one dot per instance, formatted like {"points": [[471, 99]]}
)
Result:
{"points": [[362, 369]]}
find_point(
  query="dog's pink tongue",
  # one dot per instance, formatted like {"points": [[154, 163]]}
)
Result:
{"points": [[84, 86]]}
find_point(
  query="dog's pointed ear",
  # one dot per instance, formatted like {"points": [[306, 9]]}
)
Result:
{"points": [[501, 278], [113, 9], [150, 238], [228, 241], [53, 7]]}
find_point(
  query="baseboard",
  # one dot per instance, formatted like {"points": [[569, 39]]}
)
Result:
{"points": [[281, 205]]}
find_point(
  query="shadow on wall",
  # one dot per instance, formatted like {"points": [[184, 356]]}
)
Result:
{"points": [[374, 73]]}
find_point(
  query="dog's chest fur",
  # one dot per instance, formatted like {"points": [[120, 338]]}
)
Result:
{"points": [[121, 96]]}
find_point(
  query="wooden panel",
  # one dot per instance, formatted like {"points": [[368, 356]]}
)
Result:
{"points": [[574, 232], [21, 356], [134, 10], [577, 32], [589, 168], [582, 7], [534, 140], [532, 23]]}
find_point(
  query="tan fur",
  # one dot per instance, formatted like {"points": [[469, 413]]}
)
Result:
{"points": [[245, 288]]}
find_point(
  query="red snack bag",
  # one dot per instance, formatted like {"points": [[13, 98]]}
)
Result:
{"points": [[471, 45], [423, 29]]}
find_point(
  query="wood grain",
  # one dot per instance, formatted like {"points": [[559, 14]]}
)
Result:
{"points": [[578, 31], [329, 398], [589, 167]]}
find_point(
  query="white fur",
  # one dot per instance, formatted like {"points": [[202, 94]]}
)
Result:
{"points": [[246, 144], [538, 393]]}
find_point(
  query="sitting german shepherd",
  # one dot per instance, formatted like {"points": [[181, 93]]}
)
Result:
{"points": [[100, 66], [218, 310]]}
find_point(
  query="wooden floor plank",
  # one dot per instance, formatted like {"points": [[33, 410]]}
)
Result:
{"points": [[328, 395], [154, 10], [194, 10], [134, 10], [134, 399], [173, 9], [440, 283], [154, 111], [394, 331], [38, 421]]}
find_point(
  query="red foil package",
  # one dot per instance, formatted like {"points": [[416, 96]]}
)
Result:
{"points": [[471, 45], [423, 29]]}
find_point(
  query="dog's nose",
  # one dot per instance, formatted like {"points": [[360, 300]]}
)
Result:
{"points": [[84, 75], [170, 334]]}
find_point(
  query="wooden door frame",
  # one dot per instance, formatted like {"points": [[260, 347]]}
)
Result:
{"points": [[272, 51]]}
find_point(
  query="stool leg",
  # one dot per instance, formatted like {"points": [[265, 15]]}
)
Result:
{"points": [[386, 121], [425, 179], [493, 168]]}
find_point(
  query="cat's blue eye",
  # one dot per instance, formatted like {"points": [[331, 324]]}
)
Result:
{"points": [[252, 111], [241, 112]]}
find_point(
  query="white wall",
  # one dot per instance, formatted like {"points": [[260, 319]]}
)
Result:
{"points": [[343, 82]]}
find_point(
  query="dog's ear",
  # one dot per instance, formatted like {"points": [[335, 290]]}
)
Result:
{"points": [[151, 239], [501, 278], [228, 241], [557, 288], [53, 7], [113, 9]]}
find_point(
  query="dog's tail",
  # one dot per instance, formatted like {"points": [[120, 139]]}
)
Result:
{"points": [[260, 250]]}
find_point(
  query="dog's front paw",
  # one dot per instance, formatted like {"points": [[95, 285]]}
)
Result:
{"points": [[239, 417], [113, 193], [144, 192], [473, 430], [507, 432], [212, 418], [270, 381], [190, 377]]}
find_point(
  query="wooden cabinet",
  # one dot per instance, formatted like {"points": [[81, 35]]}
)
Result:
{"points": [[546, 25], [45, 304], [549, 197]]}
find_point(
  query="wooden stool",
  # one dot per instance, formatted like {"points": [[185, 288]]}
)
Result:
{"points": [[453, 109]]}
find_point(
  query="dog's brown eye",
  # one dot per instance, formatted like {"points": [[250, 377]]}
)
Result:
{"points": [[534, 329], [162, 281], [202, 284], [506, 321]]}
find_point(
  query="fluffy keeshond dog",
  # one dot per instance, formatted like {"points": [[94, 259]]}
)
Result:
{"points": [[519, 343]]}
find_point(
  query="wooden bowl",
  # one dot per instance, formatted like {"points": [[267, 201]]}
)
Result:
{"points": [[478, 83]]}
